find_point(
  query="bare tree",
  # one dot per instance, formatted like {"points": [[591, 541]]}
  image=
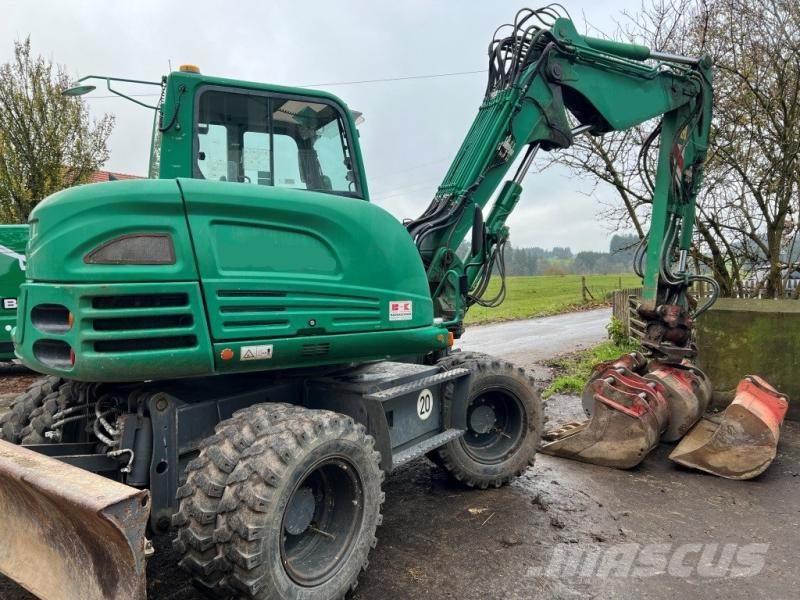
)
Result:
{"points": [[47, 141], [748, 209]]}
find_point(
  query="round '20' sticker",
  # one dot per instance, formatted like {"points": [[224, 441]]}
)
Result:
{"points": [[424, 404]]}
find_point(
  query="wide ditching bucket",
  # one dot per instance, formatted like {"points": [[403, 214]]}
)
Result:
{"points": [[68, 534], [632, 403], [627, 419], [742, 441]]}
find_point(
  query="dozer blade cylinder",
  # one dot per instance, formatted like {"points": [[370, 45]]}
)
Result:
{"points": [[69, 534], [743, 441]]}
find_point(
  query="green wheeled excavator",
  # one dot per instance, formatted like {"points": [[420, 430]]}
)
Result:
{"points": [[242, 346]]}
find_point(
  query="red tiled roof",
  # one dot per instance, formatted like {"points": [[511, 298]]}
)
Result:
{"points": [[100, 176]]}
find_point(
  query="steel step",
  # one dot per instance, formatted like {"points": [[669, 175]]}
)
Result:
{"points": [[417, 450], [419, 384]]}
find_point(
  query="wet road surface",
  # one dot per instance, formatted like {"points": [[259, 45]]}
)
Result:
{"points": [[534, 340]]}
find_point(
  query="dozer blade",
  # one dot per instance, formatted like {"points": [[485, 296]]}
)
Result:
{"points": [[626, 422], [742, 442], [69, 534]]}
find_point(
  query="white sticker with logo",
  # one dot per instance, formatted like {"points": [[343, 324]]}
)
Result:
{"points": [[424, 404], [400, 310], [262, 352]]}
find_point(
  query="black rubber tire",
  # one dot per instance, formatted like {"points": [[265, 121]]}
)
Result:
{"points": [[68, 393], [232, 505], [18, 417], [206, 478], [494, 375]]}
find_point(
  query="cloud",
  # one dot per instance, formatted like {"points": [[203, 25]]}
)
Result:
{"points": [[408, 123]]}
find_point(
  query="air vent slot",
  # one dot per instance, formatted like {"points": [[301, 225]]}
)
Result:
{"points": [[144, 344], [51, 318], [279, 323], [315, 349], [249, 294], [139, 301], [149, 322]]}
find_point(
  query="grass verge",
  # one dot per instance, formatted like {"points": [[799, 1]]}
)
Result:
{"points": [[544, 295], [573, 371]]}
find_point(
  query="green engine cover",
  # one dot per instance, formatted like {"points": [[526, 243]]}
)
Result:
{"points": [[259, 278], [13, 239]]}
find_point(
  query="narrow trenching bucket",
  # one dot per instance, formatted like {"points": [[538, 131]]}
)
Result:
{"points": [[626, 422], [688, 392], [742, 441], [69, 534]]}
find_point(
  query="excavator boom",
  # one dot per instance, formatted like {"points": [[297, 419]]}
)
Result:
{"points": [[547, 84]]}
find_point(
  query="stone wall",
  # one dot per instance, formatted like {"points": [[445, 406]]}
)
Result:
{"points": [[740, 337]]}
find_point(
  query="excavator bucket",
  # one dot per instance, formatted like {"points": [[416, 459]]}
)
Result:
{"points": [[627, 419], [69, 534], [742, 442], [688, 392]]}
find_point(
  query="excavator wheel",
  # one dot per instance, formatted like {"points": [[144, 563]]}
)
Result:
{"points": [[18, 417], [504, 423], [66, 395], [283, 502]]}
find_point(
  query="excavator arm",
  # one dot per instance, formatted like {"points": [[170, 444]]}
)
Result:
{"points": [[548, 84]]}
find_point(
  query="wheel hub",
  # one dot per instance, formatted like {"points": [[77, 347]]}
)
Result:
{"points": [[321, 521], [496, 420], [300, 511], [482, 419]]}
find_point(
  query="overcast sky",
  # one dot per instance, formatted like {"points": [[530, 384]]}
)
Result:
{"points": [[413, 127]]}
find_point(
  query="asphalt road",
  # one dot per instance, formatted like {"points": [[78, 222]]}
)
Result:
{"points": [[534, 340]]}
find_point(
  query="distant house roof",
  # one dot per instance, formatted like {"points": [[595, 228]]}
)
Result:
{"points": [[100, 176]]}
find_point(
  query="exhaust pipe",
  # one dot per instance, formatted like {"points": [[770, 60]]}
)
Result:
{"points": [[68, 534]]}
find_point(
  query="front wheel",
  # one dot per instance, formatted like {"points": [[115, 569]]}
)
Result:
{"points": [[504, 423], [297, 513]]}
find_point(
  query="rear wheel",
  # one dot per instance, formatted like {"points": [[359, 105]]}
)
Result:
{"points": [[504, 423], [18, 417]]}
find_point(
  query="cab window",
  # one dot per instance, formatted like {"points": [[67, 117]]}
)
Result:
{"points": [[264, 140]]}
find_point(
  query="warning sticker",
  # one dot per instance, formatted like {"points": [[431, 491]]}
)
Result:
{"points": [[400, 310], [262, 352]]}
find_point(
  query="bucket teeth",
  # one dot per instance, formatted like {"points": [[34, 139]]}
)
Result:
{"points": [[742, 441]]}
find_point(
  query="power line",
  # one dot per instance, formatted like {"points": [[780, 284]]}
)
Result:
{"points": [[409, 77], [335, 83]]}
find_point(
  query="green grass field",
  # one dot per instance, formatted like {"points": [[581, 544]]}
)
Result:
{"points": [[543, 295]]}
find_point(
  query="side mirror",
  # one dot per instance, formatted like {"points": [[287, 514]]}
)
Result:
{"points": [[478, 231]]}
